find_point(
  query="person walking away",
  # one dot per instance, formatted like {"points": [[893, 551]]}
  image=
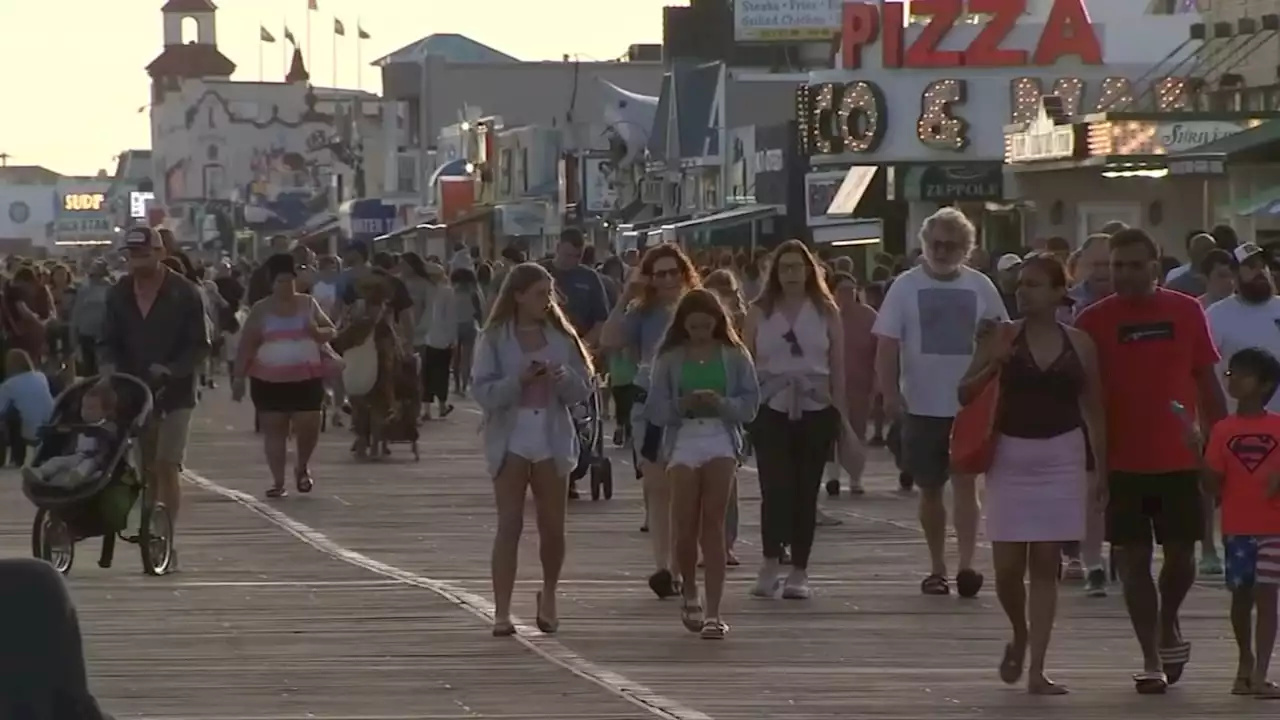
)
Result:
{"points": [[282, 357], [435, 336], [1037, 487], [1248, 318], [1218, 267], [1188, 278], [725, 285], [62, 290], [636, 326], [1245, 474], [703, 391], [859, 362], [213, 303], [468, 310], [154, 329], [1154, 350], [795, 334], [924, 344], [25, 309], [87, 316], [530, 369], [325, 291]]}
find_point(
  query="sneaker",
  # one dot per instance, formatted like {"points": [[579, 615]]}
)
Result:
{"points": [[825, 520], [766, 580], [1095, 584], [855, 487], [797, 585], [1074, 570]]}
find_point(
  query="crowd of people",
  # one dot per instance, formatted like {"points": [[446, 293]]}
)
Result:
{"points": [[1128, 400]]}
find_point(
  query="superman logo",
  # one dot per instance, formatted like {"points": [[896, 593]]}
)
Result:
{"points": [[1252, 450]]}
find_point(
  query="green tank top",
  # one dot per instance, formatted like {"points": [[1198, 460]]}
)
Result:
{"points": [[704, 375]]}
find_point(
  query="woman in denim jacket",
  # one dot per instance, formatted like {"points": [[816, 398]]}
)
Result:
{"points": [[528, 369], [703, 389]]}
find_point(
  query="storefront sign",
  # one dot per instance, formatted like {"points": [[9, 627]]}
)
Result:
{"points": [[1067, 32], [956, 183], [1198, 165], [371, 218], [820, 189], [138, 204], [1044, 139], [1182, 136], [83, 202], [785, 20]]}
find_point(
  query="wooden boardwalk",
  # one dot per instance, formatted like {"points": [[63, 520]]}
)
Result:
{"points": [[364, 600]]}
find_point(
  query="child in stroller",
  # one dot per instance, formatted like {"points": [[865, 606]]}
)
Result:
{"points": [[97, 412]]}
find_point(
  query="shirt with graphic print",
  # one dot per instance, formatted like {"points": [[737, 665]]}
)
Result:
{"points": [[1243, 451]]}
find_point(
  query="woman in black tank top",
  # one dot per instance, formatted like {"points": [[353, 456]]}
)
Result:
{"points": [[1038, 493]]}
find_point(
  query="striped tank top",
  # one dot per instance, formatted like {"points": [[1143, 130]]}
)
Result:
{"points": [[287, 352]]}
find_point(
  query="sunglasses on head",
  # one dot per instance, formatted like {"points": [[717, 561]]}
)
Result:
{"points": [[794, 343]]}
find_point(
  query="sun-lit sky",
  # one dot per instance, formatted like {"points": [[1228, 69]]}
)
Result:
{"points": [[72, 75]]}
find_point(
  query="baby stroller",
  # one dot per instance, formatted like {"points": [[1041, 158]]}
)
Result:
{"points": [[588, 420], [99, 507]]}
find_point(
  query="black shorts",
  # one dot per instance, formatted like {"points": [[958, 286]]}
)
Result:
{"points": [[287, 397], [1166, 505]]}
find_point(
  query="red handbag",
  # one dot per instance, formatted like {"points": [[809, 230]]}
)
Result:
{"points": [[973, 432]]}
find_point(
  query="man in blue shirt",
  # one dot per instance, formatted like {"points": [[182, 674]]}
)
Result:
{"points": [[581, 288]]}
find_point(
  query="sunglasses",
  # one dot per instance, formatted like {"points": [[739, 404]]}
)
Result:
{"points": [[794, 343]]}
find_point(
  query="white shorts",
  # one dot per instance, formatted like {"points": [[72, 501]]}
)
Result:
{"points": [[530, 435], [700, 441]]}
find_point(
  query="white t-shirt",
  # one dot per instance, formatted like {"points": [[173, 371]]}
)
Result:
{"points": [[1236, 325], [935, 322], [326, 295]]}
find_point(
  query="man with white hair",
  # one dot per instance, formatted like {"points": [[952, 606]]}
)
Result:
{"points": [[926, 330]]}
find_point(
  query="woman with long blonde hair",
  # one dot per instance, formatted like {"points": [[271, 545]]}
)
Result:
{"points": [[529, 368], [797, 338], [726, 287], [635, 327], [703, 391]]}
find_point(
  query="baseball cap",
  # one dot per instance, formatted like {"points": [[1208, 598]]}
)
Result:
{"points": [[1008, 261], [1246, 251], [143, 237]]}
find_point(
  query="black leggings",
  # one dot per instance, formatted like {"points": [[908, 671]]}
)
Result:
{"points": [[791, 456], [624, 397], [435, 372]]}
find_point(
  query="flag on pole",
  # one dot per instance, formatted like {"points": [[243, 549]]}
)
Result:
{"points": [[265, 36], [338, 28], [360, 33], [313, 5], [288, 35]]}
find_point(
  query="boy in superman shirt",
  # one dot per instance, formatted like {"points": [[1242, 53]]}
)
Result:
{"points": [[1242, 460]]}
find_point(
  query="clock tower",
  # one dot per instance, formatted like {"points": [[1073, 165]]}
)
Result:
{"points": [[199, 58]]}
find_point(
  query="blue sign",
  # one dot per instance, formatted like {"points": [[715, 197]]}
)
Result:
{"points": [[371, 218]]}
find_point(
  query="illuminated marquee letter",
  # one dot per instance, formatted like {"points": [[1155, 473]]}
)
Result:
{"points": [[1171, 95], [805, 120], [1067, 32], [1117, 94], [824, 109], [937, 126], [1025, 94], [862, 120]]}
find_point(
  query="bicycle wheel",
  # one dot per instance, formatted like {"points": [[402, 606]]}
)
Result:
{"points": [[51, 541], [155, 539]]}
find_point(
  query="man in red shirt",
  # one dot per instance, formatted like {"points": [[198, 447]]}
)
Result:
{"points": [[1157, 361]]}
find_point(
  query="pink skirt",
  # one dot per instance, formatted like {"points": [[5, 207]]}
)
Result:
{"points": [[1037, 490]]}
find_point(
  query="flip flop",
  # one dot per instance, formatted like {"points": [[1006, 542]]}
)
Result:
{"points": [[1151, 683], [691, 615], [1242, 686], [1010, 666], [1174, 660], [504, 629], [548, 627]]}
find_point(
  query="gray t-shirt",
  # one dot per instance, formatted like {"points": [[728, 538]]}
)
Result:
{"points": [[643, 329]]}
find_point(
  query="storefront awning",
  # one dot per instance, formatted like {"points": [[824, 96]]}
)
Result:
{"points": [[852, 188], [456, 168], [1259, 202], [1257, 143], [728, 218]]}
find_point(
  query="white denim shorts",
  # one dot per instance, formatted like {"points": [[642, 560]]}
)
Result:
{"points": [[700, 441], [530, 435]]}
